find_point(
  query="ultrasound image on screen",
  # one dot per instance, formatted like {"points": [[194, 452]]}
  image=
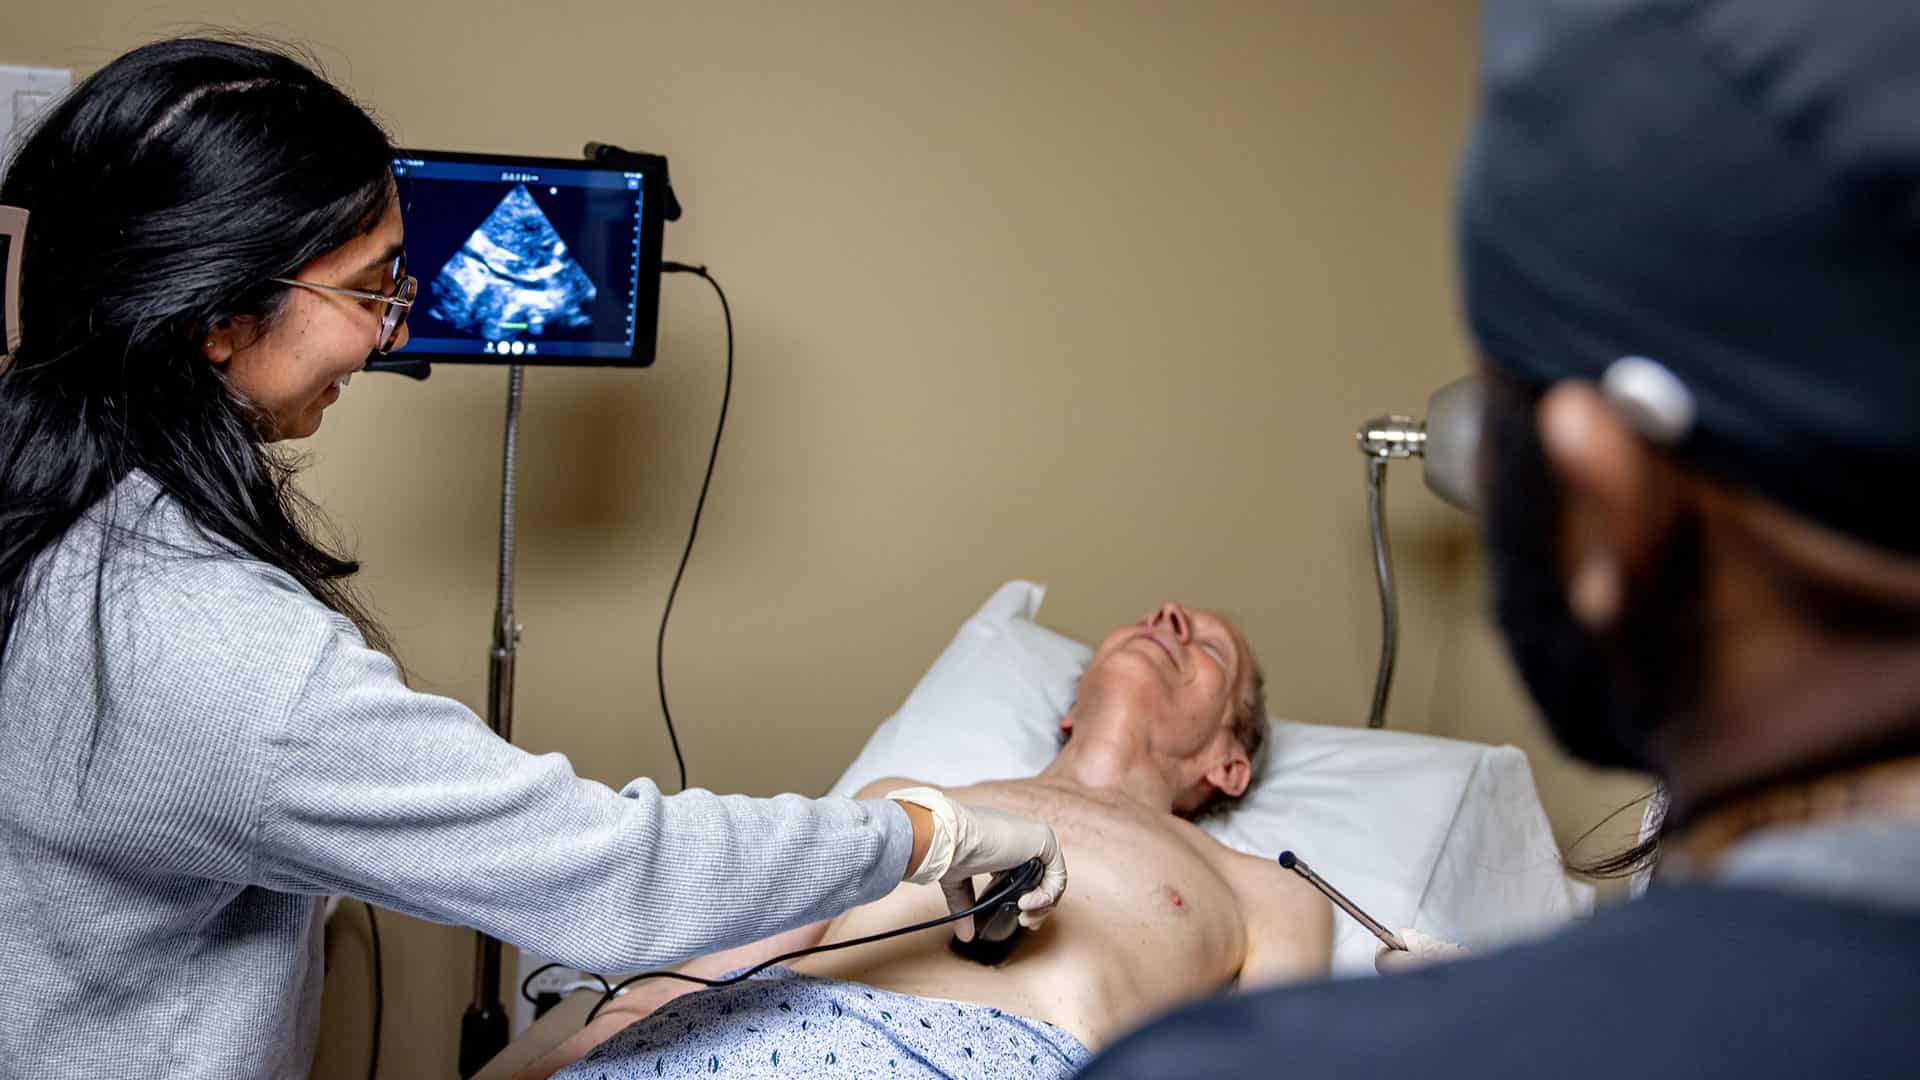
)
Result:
{"points": [[512, 275], [524, 260]]}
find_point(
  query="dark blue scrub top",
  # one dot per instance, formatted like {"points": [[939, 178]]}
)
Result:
{"points": [[1691, 981]]}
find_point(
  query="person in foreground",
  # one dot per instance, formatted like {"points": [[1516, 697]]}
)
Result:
{"points": [[1169, 717], [205, 731], [1691, 240]]}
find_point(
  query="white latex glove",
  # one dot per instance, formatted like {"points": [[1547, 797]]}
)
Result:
{"points": [[1422, 949], [969, 840]]}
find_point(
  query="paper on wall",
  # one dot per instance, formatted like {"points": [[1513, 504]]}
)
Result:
{"points": [[13, 233], [24, 93]]}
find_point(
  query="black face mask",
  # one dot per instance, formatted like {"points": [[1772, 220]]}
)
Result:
{"points": [[1601, 697]]}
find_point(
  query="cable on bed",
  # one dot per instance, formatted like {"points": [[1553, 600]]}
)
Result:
{"points": [[1013, 884]]}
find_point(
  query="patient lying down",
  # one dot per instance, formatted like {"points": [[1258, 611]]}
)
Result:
{"points": [[1169, 718]]}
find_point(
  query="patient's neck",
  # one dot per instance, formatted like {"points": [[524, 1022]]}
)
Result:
{"points": [[1114, 756]]}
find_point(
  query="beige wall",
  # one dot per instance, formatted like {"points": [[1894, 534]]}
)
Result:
{"points": [[1092, 294]]}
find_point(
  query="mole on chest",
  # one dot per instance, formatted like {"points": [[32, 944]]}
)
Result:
{"points": [[1174, 902]]}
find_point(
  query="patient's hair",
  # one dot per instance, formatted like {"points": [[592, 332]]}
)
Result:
{"points": [[1250, 719], [1250, 731]]}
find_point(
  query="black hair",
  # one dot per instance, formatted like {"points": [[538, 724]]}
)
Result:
{"points": [[165, 192], [1600, 696], [1642, 854]]}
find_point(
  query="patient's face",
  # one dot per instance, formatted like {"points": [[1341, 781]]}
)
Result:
{"points": [[1178, 675]]}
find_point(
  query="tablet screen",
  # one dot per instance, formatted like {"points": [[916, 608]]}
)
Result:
{"points": [[530, 260]]}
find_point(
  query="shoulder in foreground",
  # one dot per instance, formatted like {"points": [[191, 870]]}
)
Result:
{"points": [[147, 537], [177, 597], [1723, 982]]}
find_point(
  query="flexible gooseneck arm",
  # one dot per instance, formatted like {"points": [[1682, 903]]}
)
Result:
{"points": [[1383, 439], [1447, 442], [1389, 598]]}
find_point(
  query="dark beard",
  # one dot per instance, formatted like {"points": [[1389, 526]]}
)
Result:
{"points": [[1602, 697]]}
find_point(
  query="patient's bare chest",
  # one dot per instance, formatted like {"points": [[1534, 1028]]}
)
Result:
{"points": [[1139, 882], [1147, 922]]}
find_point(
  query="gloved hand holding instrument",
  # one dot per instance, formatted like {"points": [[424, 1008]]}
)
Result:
{"points": [[970, 840]]}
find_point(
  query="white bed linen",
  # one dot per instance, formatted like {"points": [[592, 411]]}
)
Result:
{"points": [[1445, 836]]}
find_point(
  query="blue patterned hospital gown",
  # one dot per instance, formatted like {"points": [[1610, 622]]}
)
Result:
{"points": [[781, 1023]]}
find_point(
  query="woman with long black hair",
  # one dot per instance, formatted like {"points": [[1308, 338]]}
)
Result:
{"points": [[204, 732]]}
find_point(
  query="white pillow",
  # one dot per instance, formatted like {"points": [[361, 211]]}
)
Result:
{"points": [[1445, 836]]}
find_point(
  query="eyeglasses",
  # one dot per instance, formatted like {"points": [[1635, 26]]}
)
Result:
{"points": [[405, 288]]}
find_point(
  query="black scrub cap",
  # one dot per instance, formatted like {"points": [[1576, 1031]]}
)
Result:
{"points": [[1727, 191]]}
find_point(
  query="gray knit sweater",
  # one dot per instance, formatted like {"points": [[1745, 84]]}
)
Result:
{"points": [[163, 849]]}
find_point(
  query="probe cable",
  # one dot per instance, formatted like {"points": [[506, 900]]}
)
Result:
{"points": [[660, 672], [660, 640], [1011, 885], [726, 396]]}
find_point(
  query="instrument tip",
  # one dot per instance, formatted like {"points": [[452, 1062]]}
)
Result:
{"points": [[1287, 860]]}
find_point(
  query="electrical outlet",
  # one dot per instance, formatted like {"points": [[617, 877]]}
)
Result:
{"points": [[561, 981]]}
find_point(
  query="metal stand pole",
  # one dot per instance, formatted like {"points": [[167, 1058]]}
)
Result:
{"points": [[483, 1030]]}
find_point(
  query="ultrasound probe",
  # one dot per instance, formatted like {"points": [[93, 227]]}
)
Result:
{"points": [[996, 930], [1293, 862]]}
